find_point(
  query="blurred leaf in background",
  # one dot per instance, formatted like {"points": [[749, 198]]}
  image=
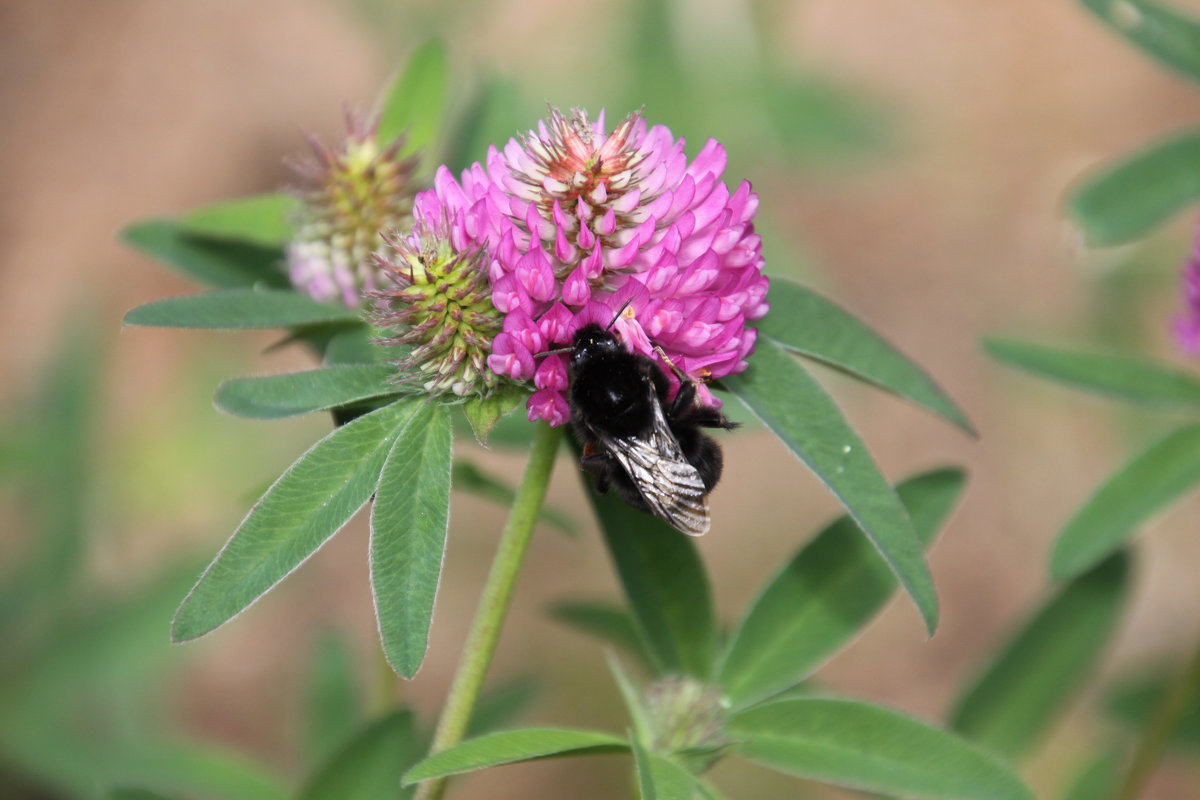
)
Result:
{"points": [[81, 670]]}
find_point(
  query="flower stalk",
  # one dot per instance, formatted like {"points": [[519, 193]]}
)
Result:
{"points": [[493, 603]]}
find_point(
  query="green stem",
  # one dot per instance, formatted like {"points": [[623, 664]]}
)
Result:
{"points": [[1167, 713], [493, 603]]}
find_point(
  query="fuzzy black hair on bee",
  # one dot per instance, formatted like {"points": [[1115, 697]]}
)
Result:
{"points": [[637, 439]]}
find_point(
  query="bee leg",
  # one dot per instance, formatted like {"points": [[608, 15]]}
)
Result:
{"points": [[607, 473], [600, 466]]}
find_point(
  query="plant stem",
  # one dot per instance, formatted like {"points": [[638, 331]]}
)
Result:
{"points": [[493, 603], [1163, 721]]}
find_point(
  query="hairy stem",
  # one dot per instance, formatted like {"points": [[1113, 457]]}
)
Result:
{"points": [[493, 604], [1163, 721]]}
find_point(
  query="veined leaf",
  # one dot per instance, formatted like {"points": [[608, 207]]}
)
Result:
{"points": [[1167, 35], [1034, 675], [221, 264], [510, 747], [239, 309], [864, 746], [665, 583], [785, 397], [279, 396], [309, 503], [371, 764], [408, 534], [414, 102], [823, 596], [1123, 202], [262, 220], [1156, 477], [806, 323], [1120, 376]]}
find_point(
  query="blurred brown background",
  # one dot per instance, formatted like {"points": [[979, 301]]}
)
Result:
{"points": [[114, 111]]}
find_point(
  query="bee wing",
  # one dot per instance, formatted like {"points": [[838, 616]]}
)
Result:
{"points": [[670, 485]]}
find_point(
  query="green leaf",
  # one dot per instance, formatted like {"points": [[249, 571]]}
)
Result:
{"points": [[1167, 35], [660, 779], [823, 595], [353, 345], [279, 396], [1134, 702], [108, 642], [609, 623], [510, 431], [785, 397], [221, 264], [510, 747], [1155, 478], [239, 309], [467, 477], [332, 703], [864, 746], [200, 771], [309, 503], [484, 413], [262, 220], [408, 534], [1036, 673], [414, 102], [371, 764], [493, 115], [53, 468], [1126, 201], [806, 323], [664, 581], [1121, 376], [1098, 777], [633, 697], [134, 793]]}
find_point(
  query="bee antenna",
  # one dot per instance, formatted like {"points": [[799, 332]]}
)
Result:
{"points": [[628, 303]]}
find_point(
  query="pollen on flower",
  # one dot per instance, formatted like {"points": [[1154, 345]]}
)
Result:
{"points": [[350, 196], [583, 221]]}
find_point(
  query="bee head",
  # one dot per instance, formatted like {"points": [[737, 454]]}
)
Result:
{"points": [[592, 341]]}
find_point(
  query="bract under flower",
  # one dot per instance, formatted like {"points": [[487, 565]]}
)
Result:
{"points": [[582, 223]]}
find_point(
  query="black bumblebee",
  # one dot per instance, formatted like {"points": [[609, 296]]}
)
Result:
{"points": [[650, 448]]}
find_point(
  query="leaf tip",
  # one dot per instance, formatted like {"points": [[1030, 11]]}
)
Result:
{"points": [[184, 628]]}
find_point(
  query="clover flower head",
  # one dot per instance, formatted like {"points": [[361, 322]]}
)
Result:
{"points": [[435, 299], [587, 222], [349, 197], [1187, 324]]}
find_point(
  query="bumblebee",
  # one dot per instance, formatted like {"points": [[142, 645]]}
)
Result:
{"points": [[637, 439]]}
